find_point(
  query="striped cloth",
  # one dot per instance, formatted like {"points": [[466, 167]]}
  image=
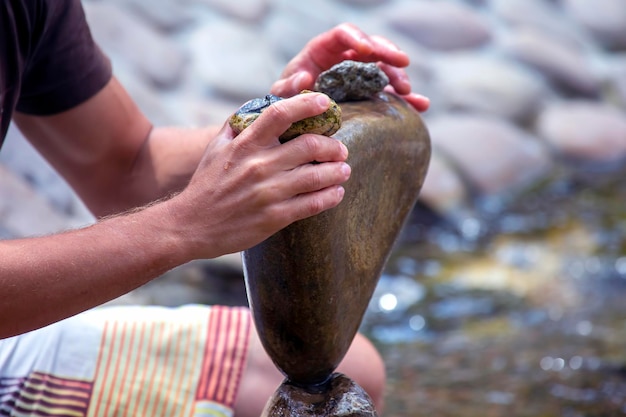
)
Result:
{"points": [[128, 361]]}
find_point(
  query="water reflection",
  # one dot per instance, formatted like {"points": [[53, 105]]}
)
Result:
{"points": [[620, 266], [516, 310]]}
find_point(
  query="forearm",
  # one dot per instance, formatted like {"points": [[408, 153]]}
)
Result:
{"points": [[46, 279], [111, 155], [163, 166]]}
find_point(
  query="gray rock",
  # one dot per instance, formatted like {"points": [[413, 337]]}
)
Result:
{"points": [[443, 190], [489, 85], [293, 23], [617, 81], [440, 25], [351, 81], [245, 10], [231, 60], [166, 15], [128, 38], [147, 96], [492, 154], [19, 156], [24, 212], [605, 19], [542, 15], [194, 111], [585, 130], [567, 67], [363, 3]]}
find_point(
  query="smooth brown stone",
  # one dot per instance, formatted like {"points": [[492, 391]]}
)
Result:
{"points": [[339, 397], [309, 284]]}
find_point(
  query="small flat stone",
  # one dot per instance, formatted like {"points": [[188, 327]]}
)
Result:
{"points": [[327, 123], [351, 81], [440, 25]]}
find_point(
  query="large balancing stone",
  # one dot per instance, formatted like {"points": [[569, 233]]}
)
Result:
{"points": [[338, 397], [309, 284]]}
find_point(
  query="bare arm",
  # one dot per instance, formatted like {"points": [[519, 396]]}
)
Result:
{"points": [[45, 279], [110, 153], [234, 192]]}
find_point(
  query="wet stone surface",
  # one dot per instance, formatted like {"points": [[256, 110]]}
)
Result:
{"points": [[516, 311]]}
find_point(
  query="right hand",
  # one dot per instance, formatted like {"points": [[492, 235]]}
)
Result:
{"points": [[248, 187]]}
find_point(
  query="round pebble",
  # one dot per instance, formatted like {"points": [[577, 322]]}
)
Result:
{"points": [[440, 25], [494, 155], [563, 65], [584, 130], [488, 84], [605, 19]]}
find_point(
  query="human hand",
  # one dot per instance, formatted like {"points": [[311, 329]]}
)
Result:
{"points": [[346, 41], [248, 187]]}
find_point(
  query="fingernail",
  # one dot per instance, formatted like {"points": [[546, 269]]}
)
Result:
{"points": [[346, 169], [422, 97], [344, 150], [323, 100], [341, 191], [299, 81]]}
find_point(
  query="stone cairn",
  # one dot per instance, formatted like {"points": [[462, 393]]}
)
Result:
{"points": [[309, 284]]}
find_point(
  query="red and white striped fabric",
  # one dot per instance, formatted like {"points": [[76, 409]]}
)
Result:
{"points": [[128, 361]]}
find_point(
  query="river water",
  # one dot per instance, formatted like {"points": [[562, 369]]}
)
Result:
{"points": [[516, 309]]}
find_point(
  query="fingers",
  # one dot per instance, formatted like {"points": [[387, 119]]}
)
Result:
{"points": [[397, 78], [293, 84], [308, 148], [347, 41], [310, 204], [285, 171], [342, 38], [388, 53], [419, 102], [309, 178]]}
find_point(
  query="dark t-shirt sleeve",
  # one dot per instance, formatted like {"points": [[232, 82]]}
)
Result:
{"points": [[65, 66]]}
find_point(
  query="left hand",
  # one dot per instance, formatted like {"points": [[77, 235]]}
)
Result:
{"points": [[347, 41]]}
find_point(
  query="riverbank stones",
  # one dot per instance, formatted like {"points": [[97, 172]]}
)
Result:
{"points": [[584, 130]]}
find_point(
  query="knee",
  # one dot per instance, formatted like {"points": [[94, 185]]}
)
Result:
{"points": [[365, 366]]}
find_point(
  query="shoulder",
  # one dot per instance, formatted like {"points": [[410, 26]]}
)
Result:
{"points": [[65, 66]]}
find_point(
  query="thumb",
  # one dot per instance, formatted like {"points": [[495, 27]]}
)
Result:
{"points": [[293, 84]]}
